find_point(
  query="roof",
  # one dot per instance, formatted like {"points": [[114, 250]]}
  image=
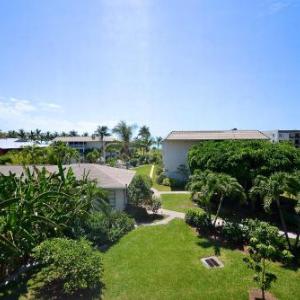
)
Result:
{"points": [[68, 139], [13, 143], [217, 135], [106, 177]]}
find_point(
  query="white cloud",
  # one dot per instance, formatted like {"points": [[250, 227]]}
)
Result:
{"points": [[276, 6], [20, 113], [48, 106]]}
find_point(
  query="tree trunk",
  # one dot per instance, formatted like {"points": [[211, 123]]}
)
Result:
{"points": [[218, 211], [283, 224], [103, 150]]}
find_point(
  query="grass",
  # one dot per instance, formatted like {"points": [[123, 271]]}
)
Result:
{"points": [[177, 202], [163, 262], [145, 170]]}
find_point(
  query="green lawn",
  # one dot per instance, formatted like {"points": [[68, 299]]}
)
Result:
{"points": [[177, 202], [143, 170], [163, 262]]}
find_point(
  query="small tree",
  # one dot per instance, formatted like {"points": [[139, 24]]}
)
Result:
{"points": [[139, 190], [265, 246]]}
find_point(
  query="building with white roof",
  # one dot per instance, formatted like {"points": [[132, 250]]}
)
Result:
{"points": [[7, 144], [176, 145]]}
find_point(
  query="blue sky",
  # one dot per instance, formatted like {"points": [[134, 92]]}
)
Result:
{"points": [[172, 65]]}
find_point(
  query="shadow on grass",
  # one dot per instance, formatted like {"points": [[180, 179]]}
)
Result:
{"points": [[140, 215]]}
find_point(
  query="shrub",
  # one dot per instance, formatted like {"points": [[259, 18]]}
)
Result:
{"points": [[233, 232], [159, 170], [166, 181], [133, 162], [139, 190], [154, 204], [160, 178], [197, 218], [108, 228], [67, 267]]}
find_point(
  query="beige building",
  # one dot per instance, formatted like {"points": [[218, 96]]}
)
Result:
{"points": [[85, 143], [177, 144], [113, 180]]}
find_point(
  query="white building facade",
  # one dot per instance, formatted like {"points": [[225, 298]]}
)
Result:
{"points": [[284, 135]]}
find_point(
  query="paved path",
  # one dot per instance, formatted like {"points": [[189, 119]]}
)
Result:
{"points": [[171, 215], [151, 171]]}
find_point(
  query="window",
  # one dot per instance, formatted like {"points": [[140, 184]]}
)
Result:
{"points": [[112, 198]]}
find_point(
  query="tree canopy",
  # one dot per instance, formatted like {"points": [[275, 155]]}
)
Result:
{"points": [[244, 160]]}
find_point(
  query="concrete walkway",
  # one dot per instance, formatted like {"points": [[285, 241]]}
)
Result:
{"points": [[171, 215]]}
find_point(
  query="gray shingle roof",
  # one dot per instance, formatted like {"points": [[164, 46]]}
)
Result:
{"points": [[217, 135], [106, 177]]}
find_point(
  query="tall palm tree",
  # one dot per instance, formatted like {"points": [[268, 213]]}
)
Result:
{"points": [[38, 134], [32, 135], [158, 141], [73, 133], [102, 131], [270, 190], [125, 133], [22, 134], [205, 186], [144, 139]]}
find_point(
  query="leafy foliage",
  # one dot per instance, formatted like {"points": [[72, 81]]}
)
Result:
{"points": [[68, 266], [106, 228], [265, 245], [244, 160], [139, 190], [38, 206], [197, 218]]}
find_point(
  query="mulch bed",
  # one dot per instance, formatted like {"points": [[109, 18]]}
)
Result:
{"points": [[255, 294]]}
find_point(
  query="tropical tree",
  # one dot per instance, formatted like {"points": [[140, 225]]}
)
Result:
{"points": [[38, 134], [270, 189], [37, 206], [73, 133], [102, 131], [124, 133], [158, 141], [144, 139], [206, 186], [265, 245], [31, 135], [22, 134]]}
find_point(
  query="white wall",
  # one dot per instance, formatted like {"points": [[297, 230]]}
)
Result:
{"points": [[175, 154], [118, 199]]}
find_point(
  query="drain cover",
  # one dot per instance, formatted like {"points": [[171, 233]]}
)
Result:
{"points": [[212, 262]]}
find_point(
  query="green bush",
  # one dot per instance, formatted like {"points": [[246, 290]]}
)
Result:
{"points": [[233, 232], [5, 159], [160, 178], [102, 228], [244, 160], [139, 190], [154, 204], [159, 170], [197, 218], [67, 267], [166, 181]]}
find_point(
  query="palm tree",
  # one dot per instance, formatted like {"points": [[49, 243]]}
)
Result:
{"points": [[158, 141], [124, 132], [205, 186], [270, 190], [38, 134], [73, 133], [22, 134], [31, 135], [102, 131], [144, 140]]}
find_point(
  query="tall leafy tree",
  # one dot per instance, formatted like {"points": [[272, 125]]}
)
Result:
{"points": [[158, 141], [207, 186], [22, 134], [270, 189], [124, 133], [102, 131]]}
